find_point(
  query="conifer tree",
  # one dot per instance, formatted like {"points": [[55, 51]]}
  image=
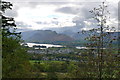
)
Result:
{"points": [[14, 57]]}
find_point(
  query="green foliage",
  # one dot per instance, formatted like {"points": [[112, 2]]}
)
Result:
{"points": [[14, 57], [15, 60], [52, 76]]}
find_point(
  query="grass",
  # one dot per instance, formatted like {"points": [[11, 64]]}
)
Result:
{"points": [[44, 61], [41, 61], [48, 61]]}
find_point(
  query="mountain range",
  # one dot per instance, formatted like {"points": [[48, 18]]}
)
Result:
{"points": [[44, 36], [53, 36]]}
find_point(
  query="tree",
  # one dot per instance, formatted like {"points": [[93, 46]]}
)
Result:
{"points": [[14, 57], [100, 43]]}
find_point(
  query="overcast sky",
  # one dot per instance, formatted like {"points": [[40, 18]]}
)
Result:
{"points": [[46, 14]]}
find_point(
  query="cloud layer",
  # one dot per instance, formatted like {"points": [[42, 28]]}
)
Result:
{"points": [[34, 14]]}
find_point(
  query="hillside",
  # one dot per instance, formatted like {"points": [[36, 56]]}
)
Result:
{"points": [[44, 36], [66, 37]]}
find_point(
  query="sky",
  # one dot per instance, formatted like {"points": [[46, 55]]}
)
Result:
{"points": [[56, 14]]}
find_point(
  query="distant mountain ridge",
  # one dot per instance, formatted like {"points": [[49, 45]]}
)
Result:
{"points": [[53, 36], [44, 36]]}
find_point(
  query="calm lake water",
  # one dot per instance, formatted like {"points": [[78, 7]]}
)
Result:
{"points": [[47, 45], [51, 45], [81, 47]]}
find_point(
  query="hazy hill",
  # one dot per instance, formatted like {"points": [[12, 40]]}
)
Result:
{"points": [[44, 36], [52, 36]]}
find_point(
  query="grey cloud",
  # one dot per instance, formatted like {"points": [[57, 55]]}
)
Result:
{"points": [[114, 11], [42, 22], [22, 24], [12, 13], [78, 21], [34, 3], [119, 15], [82, 10], [55, 0], [55, 22], [55, 18], [21, 27], [68, 10], [86, 15], [39, 22]]}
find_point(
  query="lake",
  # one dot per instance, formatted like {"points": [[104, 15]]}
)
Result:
{"points": [[81, 47], [51, 45], [47, 45]]}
